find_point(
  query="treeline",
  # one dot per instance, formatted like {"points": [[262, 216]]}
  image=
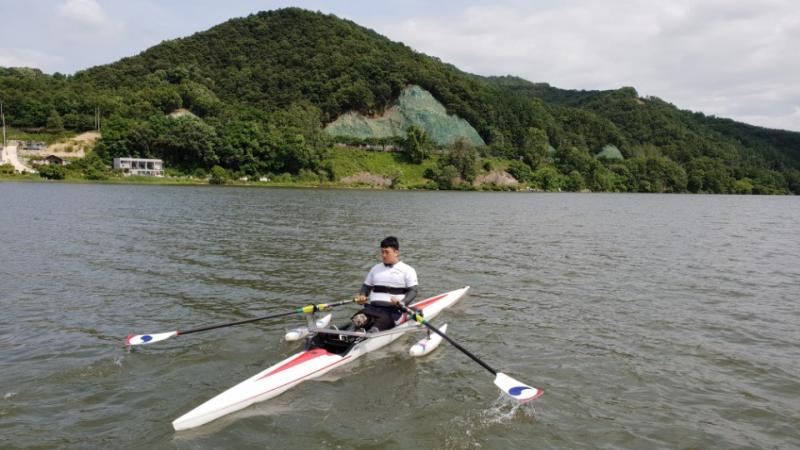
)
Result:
{"points": [[52, 103], [255, 93], [279, 143], [716, 155]]}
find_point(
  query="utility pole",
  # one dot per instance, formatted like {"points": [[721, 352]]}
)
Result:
{"points": [[3, 117]]}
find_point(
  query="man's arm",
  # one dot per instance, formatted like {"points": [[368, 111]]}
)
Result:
{"points": [[411, 283], [363, 294], [410, 295], [365, 289]]}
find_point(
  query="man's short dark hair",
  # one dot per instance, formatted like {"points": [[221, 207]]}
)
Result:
{"points": [[390, 241]]}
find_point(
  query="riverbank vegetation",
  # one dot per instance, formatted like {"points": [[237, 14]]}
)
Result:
{"points": [[249, 99]]}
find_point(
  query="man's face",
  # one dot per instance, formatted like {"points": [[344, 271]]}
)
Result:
{"points": [[389, 255]]}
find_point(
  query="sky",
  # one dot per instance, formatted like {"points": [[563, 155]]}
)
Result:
{"points": [[738, 59]]}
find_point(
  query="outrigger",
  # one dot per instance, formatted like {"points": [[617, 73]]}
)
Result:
{"points": [[326, 349]]}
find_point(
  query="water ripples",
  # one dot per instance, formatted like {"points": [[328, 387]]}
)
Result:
{"points": [[651, 321]]}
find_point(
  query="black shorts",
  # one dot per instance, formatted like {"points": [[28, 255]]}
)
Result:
{"points": [[382, 317]]}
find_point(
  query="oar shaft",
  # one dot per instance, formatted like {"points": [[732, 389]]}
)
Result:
{"points": [[230, 324], [305, 309], [447, 338]]}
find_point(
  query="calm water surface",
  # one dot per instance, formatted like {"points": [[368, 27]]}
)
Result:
{"points": [[651, 321]]}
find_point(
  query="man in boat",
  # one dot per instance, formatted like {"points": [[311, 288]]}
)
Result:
{"points": [[387, 285]]}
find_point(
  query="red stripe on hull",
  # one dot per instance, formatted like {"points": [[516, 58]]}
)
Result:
{"points": [[296, 380], [425, 303], [306, 356]]}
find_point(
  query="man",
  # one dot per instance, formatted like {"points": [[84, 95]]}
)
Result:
{"points": [[387, 284]]}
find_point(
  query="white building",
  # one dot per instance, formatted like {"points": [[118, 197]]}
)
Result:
{"points": [[140, 166]]}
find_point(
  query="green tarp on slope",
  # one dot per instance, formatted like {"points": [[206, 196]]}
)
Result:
{"points": [[414, 106]]}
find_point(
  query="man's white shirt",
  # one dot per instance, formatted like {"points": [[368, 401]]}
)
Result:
{"points": [[400, 275]]}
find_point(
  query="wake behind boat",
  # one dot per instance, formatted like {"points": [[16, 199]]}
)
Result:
{"points": [[323, 356]]}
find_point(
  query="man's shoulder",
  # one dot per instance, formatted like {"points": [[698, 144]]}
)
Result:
{"points": [[405, 267]]}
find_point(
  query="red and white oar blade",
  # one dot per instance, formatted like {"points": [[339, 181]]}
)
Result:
{"points": [[141, 339], [517, 390]]}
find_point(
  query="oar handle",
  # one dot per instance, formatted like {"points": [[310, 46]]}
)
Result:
{"points": [[420, 319]]}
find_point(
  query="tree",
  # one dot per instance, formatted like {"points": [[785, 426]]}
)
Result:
{"points": [[165, 98], [128, 137], [793, 181], [743, 186], [448, 177], [186, 142], [521, 171], [293, 153], [54, 122], [417, 145], [575, 181], [246, 146], [534, 147], [91, 167], [53, 172], [218, 175], [7, 169], [548, 178], [656, 174], [708, 175], [198, 98], [464, 158]]}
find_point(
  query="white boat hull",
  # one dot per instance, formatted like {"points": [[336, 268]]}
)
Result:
{"points": [[300, 367]]}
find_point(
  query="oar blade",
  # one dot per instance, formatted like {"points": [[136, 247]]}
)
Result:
{"points": [[142, 339], [515, 389]]}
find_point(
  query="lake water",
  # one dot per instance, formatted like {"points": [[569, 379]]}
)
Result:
{"points": [[651, 321]]}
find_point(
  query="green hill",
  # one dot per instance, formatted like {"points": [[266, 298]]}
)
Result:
{"points": [[262, 89]]}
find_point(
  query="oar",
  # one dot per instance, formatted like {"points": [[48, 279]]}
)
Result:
{"points": [[515, 389], [141, 339]]}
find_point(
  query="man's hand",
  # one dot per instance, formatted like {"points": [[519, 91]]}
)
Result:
{"points": [[395, 300], [360, 299]]}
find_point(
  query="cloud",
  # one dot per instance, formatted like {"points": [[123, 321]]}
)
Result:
{"points": [[25, 58], [788, 121], [729, 59], [86, 19]]}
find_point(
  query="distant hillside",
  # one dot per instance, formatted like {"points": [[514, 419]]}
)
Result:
{"points": [[681, 134], [262, 88]]}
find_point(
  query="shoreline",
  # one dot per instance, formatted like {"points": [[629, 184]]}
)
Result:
{"points": [[35, 178]]}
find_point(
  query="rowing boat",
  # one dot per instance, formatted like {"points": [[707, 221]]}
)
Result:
{"points": [[308, 364]]}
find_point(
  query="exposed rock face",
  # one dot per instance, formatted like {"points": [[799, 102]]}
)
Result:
{"points": [[497, 177], [181, 112], [610, 152], [415, 106], [366, 178]]}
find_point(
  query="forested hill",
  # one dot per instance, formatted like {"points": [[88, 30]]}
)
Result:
{"points": [[274, 59], [261, 89], [652, 120]]}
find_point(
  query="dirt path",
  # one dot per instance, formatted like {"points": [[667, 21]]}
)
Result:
{"points": [[10, 156], [75, 147]]}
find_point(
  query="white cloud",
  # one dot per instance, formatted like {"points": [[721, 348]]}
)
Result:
{"points": [[87, 12], [86, 19], [729, 59], [24, 58], [788, 121]]}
